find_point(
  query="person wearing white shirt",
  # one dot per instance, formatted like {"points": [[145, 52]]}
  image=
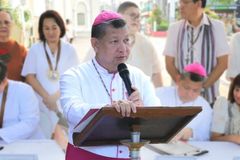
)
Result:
{"points": [[45, 62], [226, 115], [143, 54], [234, 58], [197, 38], [97, 83], [187, 93], [69, 31], [19, 113]]}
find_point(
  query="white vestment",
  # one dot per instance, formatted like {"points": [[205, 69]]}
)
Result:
{"points": [[82, 89], [201, 124], [21, 115]]}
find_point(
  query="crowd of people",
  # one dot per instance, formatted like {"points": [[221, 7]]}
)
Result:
{"points": [[59, 90]]}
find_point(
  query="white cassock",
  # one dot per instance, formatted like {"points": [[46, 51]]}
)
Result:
{"points": [[82, 89], [21, 115], [201, 124], [36, 63]]}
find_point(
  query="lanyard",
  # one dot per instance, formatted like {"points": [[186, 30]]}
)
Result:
{"points": [[191, 41], [48, 58], [4, 98]]}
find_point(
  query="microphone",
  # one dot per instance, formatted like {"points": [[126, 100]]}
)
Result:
{"points": [[124, 74]]}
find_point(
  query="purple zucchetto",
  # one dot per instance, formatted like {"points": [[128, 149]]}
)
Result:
{"points": [[105, 16], [196, 68]]}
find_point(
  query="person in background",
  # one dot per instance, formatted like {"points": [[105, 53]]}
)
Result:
{"points": [[69, 31], [45, 62], [187, 93], [234, 58], [11, 52], [19, 113], [226, 115], [197, 38], [97, 83], [143, 54]]}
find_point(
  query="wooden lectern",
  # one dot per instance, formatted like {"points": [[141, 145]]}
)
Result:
{"points": [[148, 125]]}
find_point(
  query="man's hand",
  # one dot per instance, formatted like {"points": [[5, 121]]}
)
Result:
{"points": [[124, 107], [135, 97]]}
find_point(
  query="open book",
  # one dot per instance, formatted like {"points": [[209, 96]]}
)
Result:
{"points": [[177, 148]]}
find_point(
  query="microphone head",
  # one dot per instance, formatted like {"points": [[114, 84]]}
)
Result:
{"points": [[122, 69], [124, 74]]}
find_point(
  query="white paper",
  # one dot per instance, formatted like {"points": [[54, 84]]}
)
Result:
{"points": [[177, 148]]}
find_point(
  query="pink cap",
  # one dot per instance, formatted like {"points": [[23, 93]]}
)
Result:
{"points": [[196, 68], [105, 16]]}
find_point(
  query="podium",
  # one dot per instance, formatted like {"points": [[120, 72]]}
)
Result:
{"points": [[147, 125]]}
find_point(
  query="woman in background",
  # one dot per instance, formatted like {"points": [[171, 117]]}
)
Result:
{"points": [[44, 64], [226, 115]]}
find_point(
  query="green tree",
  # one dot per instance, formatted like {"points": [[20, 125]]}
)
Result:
{"points": [[4, 4], [156, 14], [211, 13], [155, 17], [222, 2], [16, 12]]}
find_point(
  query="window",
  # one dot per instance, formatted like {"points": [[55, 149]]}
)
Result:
{"points": [[80, 19], [81, 14]]}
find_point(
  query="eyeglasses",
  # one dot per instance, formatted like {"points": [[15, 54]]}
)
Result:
{"points": [[5, 22]]}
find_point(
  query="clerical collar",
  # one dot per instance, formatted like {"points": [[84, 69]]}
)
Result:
{"points": [[100, 68]]}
